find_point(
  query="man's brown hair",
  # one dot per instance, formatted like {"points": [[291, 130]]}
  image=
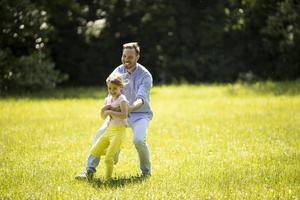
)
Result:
{"points": [[132, 45]]}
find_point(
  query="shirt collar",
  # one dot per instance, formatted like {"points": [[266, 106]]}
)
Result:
{"points": [[136, 67]]}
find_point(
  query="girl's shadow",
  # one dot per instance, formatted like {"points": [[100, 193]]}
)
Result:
{"points": [[119, 181]]}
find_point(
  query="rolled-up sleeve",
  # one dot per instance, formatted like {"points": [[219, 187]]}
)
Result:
{"points": [[144, 88]]}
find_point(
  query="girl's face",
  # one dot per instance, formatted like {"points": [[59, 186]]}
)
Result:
{"points": [[114, 90]]}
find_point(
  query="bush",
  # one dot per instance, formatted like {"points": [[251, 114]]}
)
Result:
{"points": [[27, 73]]}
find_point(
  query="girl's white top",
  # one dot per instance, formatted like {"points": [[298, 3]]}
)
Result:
{"points": [[115, 103]]}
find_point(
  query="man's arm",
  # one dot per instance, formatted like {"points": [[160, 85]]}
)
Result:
{"points": [[142, 93], [136, 105]]}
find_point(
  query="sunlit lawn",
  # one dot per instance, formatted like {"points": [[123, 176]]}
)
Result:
{"points": [[207, 142]]}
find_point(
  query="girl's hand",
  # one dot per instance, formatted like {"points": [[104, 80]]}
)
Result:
{"points": [[118, 109], [107, 107]]}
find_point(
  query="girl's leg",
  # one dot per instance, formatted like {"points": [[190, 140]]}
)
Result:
{"points": [[96, 151], [113, 148], [102, 130], [93, 162], [99, 148]]}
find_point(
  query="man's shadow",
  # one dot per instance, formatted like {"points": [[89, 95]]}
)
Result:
{"points": [[120, 181]]}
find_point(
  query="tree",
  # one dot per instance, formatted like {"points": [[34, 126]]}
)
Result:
{"points": [[24, 35]]}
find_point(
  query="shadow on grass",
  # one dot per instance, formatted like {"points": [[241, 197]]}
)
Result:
{"points": [[119, 181]]}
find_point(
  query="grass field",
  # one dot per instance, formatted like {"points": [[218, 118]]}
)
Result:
{"points": [[207, 142]]}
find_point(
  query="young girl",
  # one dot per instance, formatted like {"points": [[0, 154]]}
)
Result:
{"points": [[116, 108]]}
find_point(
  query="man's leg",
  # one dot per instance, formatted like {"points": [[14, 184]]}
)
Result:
{"points": [[140, 128]]}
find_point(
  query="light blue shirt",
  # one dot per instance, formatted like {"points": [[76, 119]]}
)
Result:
{"points": [[139, 84]]}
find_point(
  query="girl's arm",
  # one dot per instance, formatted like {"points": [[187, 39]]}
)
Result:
{"points": [[119, 114], [103, 109]]}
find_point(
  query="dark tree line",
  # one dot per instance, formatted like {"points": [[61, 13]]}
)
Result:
{"points": [[76, 42]]}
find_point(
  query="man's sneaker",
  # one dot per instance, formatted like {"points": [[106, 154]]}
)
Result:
{"points": [[146, 175], [86, 175], [116, 157]]}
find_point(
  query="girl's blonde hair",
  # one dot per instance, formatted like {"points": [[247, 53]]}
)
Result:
{"points": [[115, 79]]}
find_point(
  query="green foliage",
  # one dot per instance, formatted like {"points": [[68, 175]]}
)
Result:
{"points": [[33, 72], [229, 141], [24, 60], [282, 39], [272, 33], [36, 72], [193, 41], [24, 27]]}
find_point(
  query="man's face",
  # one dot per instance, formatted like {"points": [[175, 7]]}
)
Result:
{"points": [[129, 58]]}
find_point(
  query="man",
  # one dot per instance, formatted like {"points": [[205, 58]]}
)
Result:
{"points": [[137, 91]]}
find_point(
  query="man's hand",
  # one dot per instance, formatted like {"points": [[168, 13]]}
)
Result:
{"points": [[136, 105], [130, 108]]}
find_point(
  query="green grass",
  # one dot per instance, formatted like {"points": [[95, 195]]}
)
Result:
{"points": [[207, 142]]}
